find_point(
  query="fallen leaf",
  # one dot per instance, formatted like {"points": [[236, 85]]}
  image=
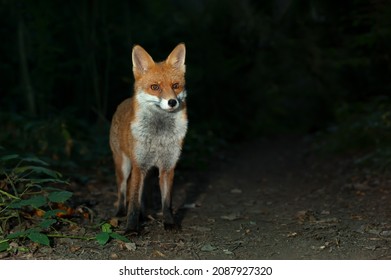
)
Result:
{"points": [[360, 193], [372, 248], [160, 254], [231, 217], [4, 255], [291, 234], [114, 256], [357, 217], [374, 231], [227, 252], [305, 216], [85, 212], [327, 221], [208, 248], [190, 206], [73, 249], [39, 213], [114, 222], [236, 191], [131, 246], [201, 229], [67, 211]]}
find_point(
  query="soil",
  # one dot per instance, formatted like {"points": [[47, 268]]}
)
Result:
{"points": [[266, 199]]}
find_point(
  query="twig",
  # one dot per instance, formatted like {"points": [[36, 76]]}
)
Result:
{"points": [[9, 195]]}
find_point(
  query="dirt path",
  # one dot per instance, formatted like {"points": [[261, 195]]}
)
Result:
{"points": [[265, 200], [270, 200], [295, 207]]}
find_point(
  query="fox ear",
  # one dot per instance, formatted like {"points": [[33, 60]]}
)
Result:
{"points": [[177, 57], [141, 60]]}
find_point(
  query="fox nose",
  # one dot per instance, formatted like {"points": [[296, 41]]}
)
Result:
{"points": [[172, 103]]}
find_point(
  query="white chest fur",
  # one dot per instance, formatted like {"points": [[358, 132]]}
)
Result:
{"points": [[158, 135]]}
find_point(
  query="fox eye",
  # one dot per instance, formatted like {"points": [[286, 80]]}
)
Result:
{"points": [[175, 86], [155, 87]]}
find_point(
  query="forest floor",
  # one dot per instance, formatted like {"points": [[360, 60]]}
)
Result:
{"points": [[267, 199]]}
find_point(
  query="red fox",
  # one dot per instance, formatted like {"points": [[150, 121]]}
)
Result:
{"points": [[148, 130]]}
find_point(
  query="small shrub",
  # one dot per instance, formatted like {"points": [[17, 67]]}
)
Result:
{"points": [[107, 233], [27, 193]]}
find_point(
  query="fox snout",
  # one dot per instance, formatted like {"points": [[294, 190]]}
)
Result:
{"points": [[172, 103], [169, 104]]}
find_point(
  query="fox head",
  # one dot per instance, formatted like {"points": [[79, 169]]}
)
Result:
{"points": [[160, 84]]}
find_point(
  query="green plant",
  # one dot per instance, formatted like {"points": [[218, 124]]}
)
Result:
{"points": [[27, 193], [107, 233], [29, 204]]}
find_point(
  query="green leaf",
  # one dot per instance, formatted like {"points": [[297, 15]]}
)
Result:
{"points": [[35, 160], [4, 246], [17, 204], [47, 223], [38, 170], [53, 213], [35, 201], [17, 234], [8, 157], [60, 196], [106, 228], [119, 237], [38, 237], [44, 181], [52, 188], [208, 248], [102, 238]]}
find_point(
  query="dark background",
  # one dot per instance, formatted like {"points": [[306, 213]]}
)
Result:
{"points": [[318, 68]]}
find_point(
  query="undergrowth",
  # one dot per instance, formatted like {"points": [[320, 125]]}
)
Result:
{"points": [[34, 206]]}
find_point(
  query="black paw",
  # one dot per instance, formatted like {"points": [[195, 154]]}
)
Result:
{"points": [[172, 227], [132, 231], [133, 223], [121, 212]]}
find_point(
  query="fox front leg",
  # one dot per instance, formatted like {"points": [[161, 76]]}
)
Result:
{"points": [[166, 179]]}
